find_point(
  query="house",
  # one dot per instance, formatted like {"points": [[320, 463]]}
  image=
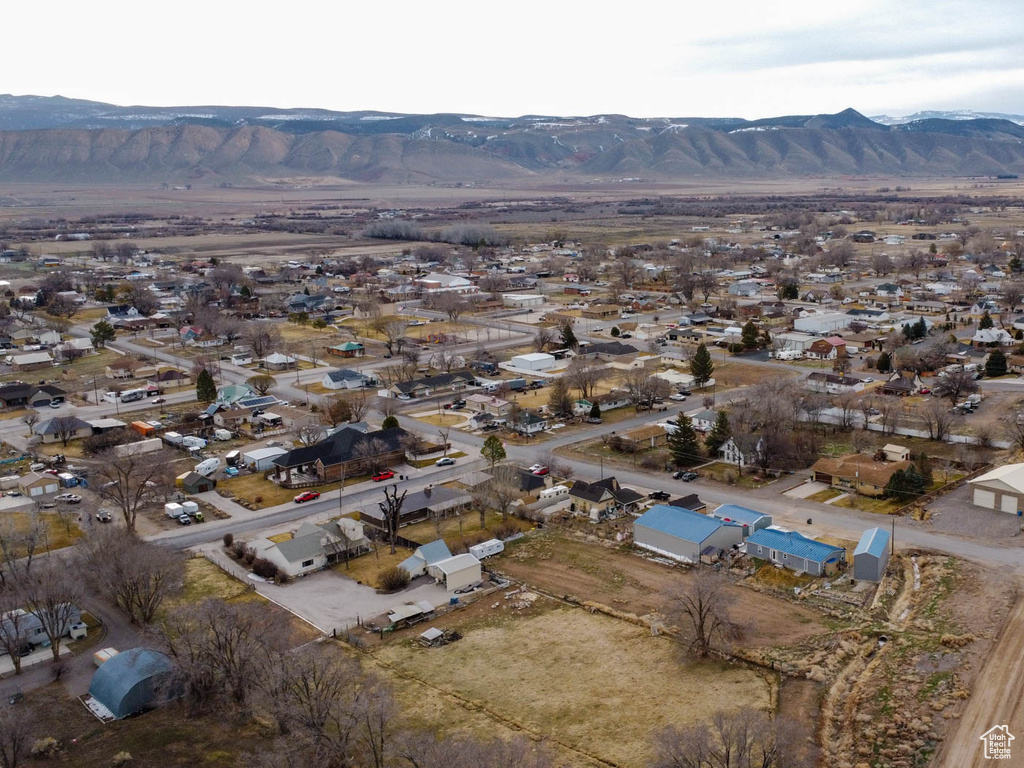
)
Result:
{"points": [[857, 472], [346, 378], [425, 554], [442, 382], [75, 347], [528, 423], [456, 572], [902, 384], [31, 361], [495, 406], [17, 394], [45, 395], [796, 552], [277, 361], [609, 351], [889, 291], [430, 503], [704, 420], [988, 337], [61, 428], [1001, 489], [833, 383], [348, 349], [733, 454], [34, 484], [649, 436], [340, 456], [603, 498], [607, 401], [871, 555], [436, 282], [826, 349], [749, 520], [683, 535], [314, 547], [130, 368]]}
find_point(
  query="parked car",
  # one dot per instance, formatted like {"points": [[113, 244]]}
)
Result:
{"points": [[70, 498], [54, 404], [184, 520], [231, 471], [925, 391], [541, 471], [659, 495], [447, 461], [687, 477], [387, 474], [103, 516], [307, 496], [158, 400], [685, 392]]}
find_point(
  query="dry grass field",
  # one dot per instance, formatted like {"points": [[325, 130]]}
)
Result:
{"points": [[588, 682]]}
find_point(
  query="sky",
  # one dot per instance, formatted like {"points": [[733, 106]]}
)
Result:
{"points": [[727, 58]]}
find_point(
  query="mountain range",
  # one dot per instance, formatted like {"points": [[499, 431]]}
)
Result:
{"points": [[61, 139]]}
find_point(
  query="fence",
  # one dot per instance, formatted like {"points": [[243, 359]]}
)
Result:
{"points": [[923, 501]]}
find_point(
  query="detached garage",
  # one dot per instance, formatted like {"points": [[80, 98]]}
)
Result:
{"points": [[456, 572], [683, 535], [134, 681], [1002, 489]]}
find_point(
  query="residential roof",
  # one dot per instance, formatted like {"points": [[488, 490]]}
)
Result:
{"points": [[339, 447], [612, 348], [456, 563], [679, 522], [299, 548], [861, 467], [439, 380], [347, 374], [32, 358], [122, 684], [1010, 475], [64, 423], [691, 502], [434, 551], [872, 542], [793, 543], [737, 514], [409, 610]]}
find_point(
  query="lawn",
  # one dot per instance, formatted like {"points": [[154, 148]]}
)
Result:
{"points": [[867, 504], [459, 529], [442, 419], [61, 529], [203, 579], [570, 676], [729, 473], [822, 496], [365, 569], [270, 494]]}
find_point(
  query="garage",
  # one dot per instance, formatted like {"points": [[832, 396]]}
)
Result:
{"points": [[1001, 489]]}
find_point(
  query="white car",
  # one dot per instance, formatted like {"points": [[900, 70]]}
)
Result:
{"points": [[677, 397], [404, 396], [70, 498], [535, 467]]}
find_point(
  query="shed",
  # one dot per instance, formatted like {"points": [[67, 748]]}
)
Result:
{"points": [[262, 459], [534, 361], [411, 613], [193, 482], [456, 572], [134, 681], [871, 555], [1001, 489], [38, 484], [682, 535]]}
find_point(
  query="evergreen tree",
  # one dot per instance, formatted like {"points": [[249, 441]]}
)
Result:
{"points": [[986, 321], [389, 422], [788, 291], [702, 366], [560, 399], [493, 450], [719, 434], [615, 332], [996, 364], [206, 387], [683, 443], [920, 329], [749, 335], [595, 411], [884, 364], [101, 333], [569, 340], [1015, 264], [906, 485]]}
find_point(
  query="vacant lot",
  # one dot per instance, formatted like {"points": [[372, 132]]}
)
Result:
{"points": [[575, 677], [617, 577]]}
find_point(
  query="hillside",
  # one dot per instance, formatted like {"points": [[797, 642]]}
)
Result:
{"points": [[69, 140]]}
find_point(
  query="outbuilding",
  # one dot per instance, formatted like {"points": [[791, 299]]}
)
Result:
{"points": [[796, 552], [749, 519], [534, 361], [35, 484], [683, 535], [1001, 489], [871, 555], [456, 572], [134, 681], [262, 459]]}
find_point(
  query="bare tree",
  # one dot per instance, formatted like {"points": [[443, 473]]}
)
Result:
{"points": [[52, 592], [1013, 428], [372, 451], [14, 624], [701, 606], [451, 303], [502, 489], [391, 508], [938, 420], [359, 403], [130, 481], [16, 725], [644, 388], [954, 386], [262, 339], [136, 574], [1012, 292], [65, 428], [393, 330], [261, 382], [543, 338], [310, 434], [584, 374]]}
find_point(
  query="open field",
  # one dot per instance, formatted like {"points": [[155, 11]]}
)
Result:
{"points": [[572, 676], [566, 565]]}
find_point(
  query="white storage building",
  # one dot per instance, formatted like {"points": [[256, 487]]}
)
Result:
{"points": [[1001, 489], [522, 300], [827, 323], [456, 572], [534, 361], [262, 459]]}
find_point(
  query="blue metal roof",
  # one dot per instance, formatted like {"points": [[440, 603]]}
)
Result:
{"points": [[434, 552], [872, 542], [679, 522], [739, 514], [793, 543], [131, 681]]}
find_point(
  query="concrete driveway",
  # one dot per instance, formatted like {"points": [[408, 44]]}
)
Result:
{"points": [[329, 601], [806, 489]]}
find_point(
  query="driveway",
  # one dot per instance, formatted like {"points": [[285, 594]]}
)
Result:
{"points": [[806, 489]]}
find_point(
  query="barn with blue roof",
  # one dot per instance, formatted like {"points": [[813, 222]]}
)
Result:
{"points": [[750, 519], [871, 555], [796, 552], [134, 681], [683, 535]]}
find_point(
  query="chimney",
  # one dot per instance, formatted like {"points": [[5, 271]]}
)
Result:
{"points": [[426, 491]]}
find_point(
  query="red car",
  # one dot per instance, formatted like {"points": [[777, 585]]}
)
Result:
{"points": [[387, 474], [307, 496], [925, 391]]}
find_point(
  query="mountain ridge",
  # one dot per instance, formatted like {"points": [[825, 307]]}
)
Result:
{"points": [[55, 138]]}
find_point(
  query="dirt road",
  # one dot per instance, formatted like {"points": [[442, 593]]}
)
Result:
{"points": [[997, 699]]}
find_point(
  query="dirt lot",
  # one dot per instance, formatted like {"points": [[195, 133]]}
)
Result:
{"points": [[954, 514], [573, 676], [627, 582]]}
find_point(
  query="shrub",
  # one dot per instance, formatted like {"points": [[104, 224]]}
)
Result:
{"points": [[229, 539], [122, 759], [393, 579], [264, 568], [248, 555], [651, 461], [504, 529], [238, 549], [47, 747]]}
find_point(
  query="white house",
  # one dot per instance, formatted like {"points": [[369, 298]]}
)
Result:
{"points": [[731, 453]]}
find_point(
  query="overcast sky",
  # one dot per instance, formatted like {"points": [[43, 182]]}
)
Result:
{"points": [[720, 58]]}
